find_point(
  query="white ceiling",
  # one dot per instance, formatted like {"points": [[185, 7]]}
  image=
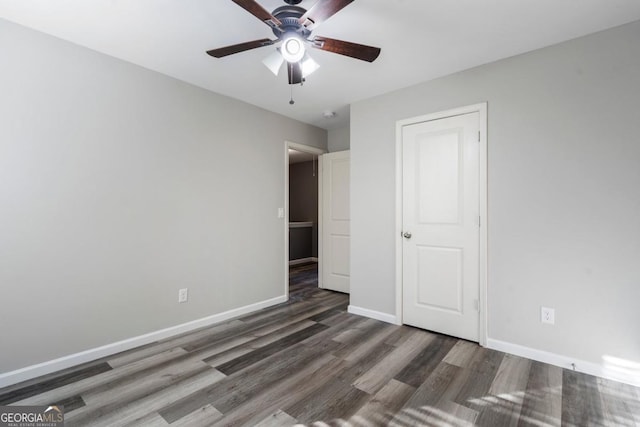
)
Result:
{"points": [[420, 40]]}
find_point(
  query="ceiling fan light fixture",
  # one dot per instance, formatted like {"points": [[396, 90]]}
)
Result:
{"points": [[292, 49], [274, 61], [308, 65]]}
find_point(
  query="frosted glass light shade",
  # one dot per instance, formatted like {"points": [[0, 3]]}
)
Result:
{"points": [[292, 49], [274, 61], [308, 65]]}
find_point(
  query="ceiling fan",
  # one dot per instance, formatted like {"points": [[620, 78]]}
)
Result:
{"points": [[292, 25]]}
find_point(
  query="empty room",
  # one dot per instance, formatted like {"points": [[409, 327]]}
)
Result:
{"points": [[320, 212]]}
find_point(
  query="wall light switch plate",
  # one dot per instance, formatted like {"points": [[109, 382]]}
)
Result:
{"points": [[280, 212], [547, 315]]}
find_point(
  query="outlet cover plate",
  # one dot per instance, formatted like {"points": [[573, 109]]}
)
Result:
{"points": [[547, 315], [183, 295]]}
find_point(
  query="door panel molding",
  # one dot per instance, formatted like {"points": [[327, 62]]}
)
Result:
{"points": [[481, 109], [336, 221]]}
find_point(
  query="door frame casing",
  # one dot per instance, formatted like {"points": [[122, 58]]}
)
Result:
{"points": [[318, 152], [481, 109]]}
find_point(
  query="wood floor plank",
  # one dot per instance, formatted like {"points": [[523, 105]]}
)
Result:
{"points": [[481, 373], [418, 369], [542, 402], [70, 404], [435, 387], [338, 318], [261, 353], [235, 390], [381, 409], [285, 310], [620, 403], [433, 402], [253, 328], [449, 381], [394, 395], [133, 387], [335, 399], [581, 404], [447, 413], [461, 354], [205, 416], [506, 395], [356, 368], [143, 352], [80, 387], [295, 386], [348, 335], [256, 343], [397, 360], [131, 411], [107, 399], [281, 310], [345, 323], [149, 420], [356, 329], [512, 376], [19, 395], [276, 370], [230, 347], [278, 419], [373, 332], [260, 321], [326, 314], [403, 334]]}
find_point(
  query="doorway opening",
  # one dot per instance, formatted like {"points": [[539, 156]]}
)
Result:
{"points": [[303, 208]]}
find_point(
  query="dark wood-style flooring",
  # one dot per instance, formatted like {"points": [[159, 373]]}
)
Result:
{"points": [[308, 361]]}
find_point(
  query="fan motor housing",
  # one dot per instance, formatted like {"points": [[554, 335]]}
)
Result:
{"points": [[289, 16]]}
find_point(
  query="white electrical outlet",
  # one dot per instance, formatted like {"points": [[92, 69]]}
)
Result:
{"points": [[183, 295], [547, 315]]}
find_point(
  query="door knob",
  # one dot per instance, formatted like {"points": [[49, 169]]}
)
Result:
{"points": [[407, 235]]}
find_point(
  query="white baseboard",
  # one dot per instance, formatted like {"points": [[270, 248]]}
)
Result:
{"points": [[626, 372], [303, 260], [65, 362], [378, 315]]}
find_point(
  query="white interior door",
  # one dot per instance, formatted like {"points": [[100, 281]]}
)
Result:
{"points": [[335, 221], [440, 224]]}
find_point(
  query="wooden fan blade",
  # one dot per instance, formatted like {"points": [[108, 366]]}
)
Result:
{"points": [[354, 50], [259, 12], [321, 11], [241, 47], [295, 73]]}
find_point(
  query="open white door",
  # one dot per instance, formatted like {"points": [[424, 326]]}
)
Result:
{"points": [[440, 224], [335, 221]]}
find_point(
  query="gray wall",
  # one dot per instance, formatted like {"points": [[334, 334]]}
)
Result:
{"points": [[303, 192], [301, 243], [303, 206], [564, 192], [118, 186], [338, 139]]}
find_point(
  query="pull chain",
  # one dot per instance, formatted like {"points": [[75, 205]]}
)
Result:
{"points": [[291, 101]]}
